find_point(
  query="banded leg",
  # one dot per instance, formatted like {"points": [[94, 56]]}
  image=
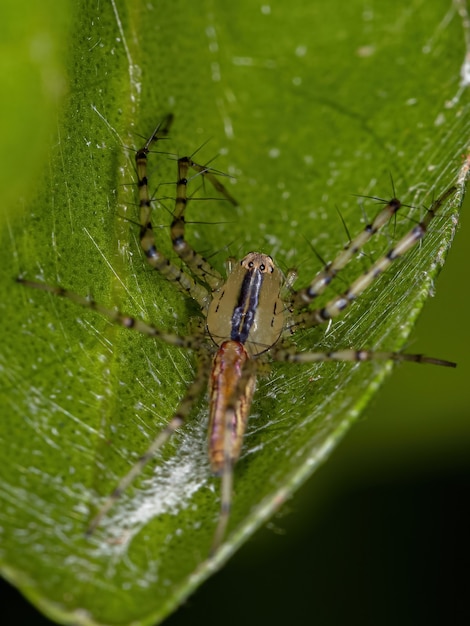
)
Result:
{"points": [[338, 304], [117, 317], [198, 265], [195, 390], [155, 258], [288, 353], [305, 296]]}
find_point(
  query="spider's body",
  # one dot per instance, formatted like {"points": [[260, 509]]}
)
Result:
{"points": [[248, 307], [249, 319], [246, 317], [230, 393]]}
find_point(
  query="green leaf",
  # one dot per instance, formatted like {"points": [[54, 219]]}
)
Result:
{"points": [[307, 105], [33, 44]]}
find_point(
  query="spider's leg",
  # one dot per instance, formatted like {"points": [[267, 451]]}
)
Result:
{"points": [[182, 412], [198, 265], [338, 304], [320, 282], [287, 352], [117, 317], [155, 258]]}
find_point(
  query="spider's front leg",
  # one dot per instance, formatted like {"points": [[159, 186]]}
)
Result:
{"points": [[198, 265], [304, 297], [154, 256], [337, 305]]}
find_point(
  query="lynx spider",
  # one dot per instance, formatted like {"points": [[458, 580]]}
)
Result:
{"points": [[249, 319]]}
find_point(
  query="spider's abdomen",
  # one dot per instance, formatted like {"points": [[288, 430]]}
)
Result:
{"points": [[248, 308], [231, 388]]}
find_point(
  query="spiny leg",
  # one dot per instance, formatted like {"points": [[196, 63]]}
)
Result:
{"points": [[338, 304], [198, 265], [147, 238], [116, 316], [303, 297], [287, 352], [195, 390]]}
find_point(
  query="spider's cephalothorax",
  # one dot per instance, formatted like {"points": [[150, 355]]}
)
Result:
{"points": [[249, 319]]}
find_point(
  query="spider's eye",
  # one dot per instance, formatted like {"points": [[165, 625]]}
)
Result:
{"points": [[262, 267], [250, 264]]}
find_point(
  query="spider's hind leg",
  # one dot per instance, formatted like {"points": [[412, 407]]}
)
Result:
{"points": [[287, 352], [182, 412]]}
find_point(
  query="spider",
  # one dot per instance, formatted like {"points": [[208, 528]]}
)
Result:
{"points": [[249, 318]]}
